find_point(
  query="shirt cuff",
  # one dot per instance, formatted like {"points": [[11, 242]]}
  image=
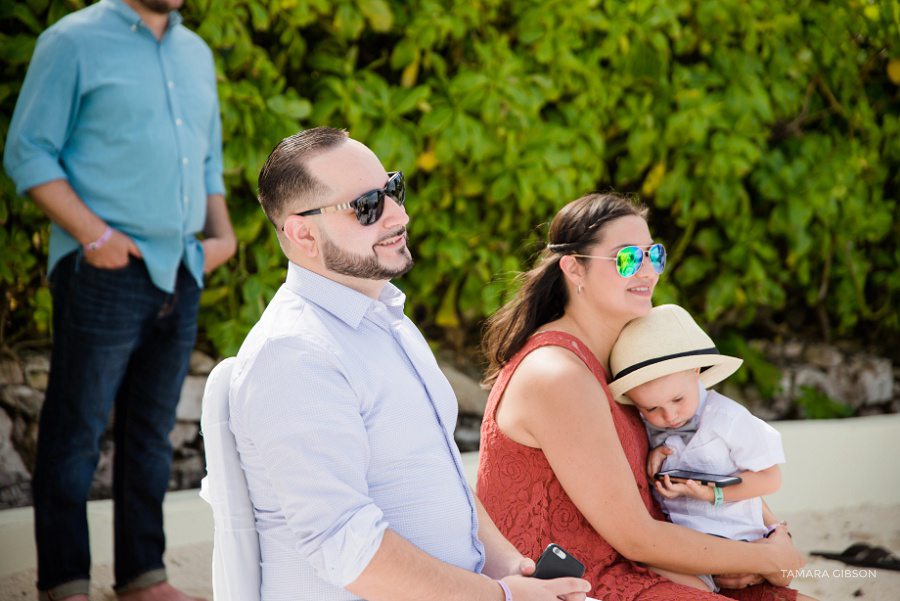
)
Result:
{"points": [[215, 183], [343, 556], [34, 172]]}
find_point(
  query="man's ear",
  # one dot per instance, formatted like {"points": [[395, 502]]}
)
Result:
{"points": [[572, 269], [303, 234]]}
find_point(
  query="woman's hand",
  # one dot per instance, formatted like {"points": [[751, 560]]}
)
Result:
{"points": [[790, 559]]}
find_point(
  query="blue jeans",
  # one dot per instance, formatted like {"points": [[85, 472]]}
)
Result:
{"points": [[118, 341]]}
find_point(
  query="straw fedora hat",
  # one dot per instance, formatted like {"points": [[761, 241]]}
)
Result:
{"points": [[665, 341]]}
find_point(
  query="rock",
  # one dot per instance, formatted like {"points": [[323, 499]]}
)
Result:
{"points": [[101, 486], [749, 397], [875, 380], [37, 371], [24, 436], [761, 345], [16, 495], [468, 432], [201, 363], [823, 355], [191, 403], [11, 372], [792, 349], [23, 399], [12, 469], [816, 379], [469, 395], [864, 380], [183, 434], [187, 472]]}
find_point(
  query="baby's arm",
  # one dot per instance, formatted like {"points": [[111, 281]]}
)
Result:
{"points": [[754, 484]]}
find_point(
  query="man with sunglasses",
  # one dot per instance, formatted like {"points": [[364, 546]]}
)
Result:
{"points": [[342, 418]]}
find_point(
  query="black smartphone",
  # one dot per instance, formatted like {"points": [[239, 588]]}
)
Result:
{"points": [[555, 562], [706, 479]]}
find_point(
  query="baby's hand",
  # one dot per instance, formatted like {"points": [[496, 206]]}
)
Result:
{"points": [[655, 459], [689, 488]]}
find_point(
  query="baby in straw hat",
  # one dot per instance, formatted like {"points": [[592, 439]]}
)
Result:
{"points": [[663, 363]]}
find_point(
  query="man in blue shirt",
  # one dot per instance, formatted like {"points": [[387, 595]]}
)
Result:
{"points": [[343, 420], [117, 137]]}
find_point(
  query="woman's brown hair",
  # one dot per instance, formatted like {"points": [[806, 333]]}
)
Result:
{"points": [[542, 295]]}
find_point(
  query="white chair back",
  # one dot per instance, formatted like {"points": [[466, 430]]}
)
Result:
{"points": [[236, 559]]}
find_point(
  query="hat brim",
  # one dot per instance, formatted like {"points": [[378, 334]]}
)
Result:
{"points": [[718, 367]]}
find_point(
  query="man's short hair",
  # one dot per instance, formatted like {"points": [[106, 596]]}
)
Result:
{"points": [[284, 181]]}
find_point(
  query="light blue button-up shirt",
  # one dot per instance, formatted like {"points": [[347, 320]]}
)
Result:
{"points": [[131, 122], [344, 424]]}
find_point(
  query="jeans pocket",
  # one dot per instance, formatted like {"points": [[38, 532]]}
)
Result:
{"points": [[109, 305]]}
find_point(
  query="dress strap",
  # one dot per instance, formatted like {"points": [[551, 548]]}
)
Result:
{"points": [[536, 341]]}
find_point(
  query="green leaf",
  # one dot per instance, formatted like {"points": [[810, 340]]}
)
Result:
{"points": [[378, 13], [295, 108]]}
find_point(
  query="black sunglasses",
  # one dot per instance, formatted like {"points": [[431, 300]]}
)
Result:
{"points": [[370, 206]]}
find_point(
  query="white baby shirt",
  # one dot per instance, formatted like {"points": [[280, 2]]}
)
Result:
{"points": [[729, 440]]}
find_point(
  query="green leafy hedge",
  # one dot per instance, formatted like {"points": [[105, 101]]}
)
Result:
{"points": [[764, 135]]}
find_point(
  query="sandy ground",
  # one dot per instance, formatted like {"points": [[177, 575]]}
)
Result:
{"points": [[834, 530]]}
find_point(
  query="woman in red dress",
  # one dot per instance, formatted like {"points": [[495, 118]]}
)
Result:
{"points": [[560, 460]]}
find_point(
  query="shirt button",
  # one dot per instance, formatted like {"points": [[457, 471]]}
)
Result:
{"points": [[134, 28], [185, 200], [179, 122], [171, 84], [184, 161], [378, 309]]}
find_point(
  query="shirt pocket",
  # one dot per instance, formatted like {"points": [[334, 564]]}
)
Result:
{"points": [[711, 457]]}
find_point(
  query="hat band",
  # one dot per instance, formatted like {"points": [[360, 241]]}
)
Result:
{"points": [[643, 364]]}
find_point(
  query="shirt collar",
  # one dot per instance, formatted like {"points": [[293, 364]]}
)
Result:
{"points": [[132, 18], [346, 304], [704, 394]]}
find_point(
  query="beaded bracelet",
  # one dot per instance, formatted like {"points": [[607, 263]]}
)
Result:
{"points": [[107, 234]]}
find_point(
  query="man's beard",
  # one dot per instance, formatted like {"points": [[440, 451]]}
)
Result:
{"points": [[160, 7], [364, 267]]}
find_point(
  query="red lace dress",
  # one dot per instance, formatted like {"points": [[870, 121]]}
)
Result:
{"points": [[530, 507]]}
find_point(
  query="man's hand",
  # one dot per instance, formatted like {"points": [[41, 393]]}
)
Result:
{"points": [[114, 253], [655, 459], [525, 588], [219, 242], [216, 252]]}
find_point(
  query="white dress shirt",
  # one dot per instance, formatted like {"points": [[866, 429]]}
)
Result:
{"points": [[729, 440], [344, 424]]}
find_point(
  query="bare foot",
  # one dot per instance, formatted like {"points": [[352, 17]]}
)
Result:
{"points": [[158, 592]]}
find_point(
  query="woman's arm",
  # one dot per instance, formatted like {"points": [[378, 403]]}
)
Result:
{"points": [[555, 402]]}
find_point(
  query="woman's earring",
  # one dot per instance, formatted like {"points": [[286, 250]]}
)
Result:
{"points": [[578, 291]]}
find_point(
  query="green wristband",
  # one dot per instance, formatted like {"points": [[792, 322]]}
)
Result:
{"points": [[720, 495]]}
